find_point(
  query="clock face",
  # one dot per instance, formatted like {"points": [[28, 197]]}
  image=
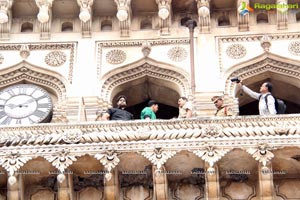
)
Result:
{"points": [[24, 104]]}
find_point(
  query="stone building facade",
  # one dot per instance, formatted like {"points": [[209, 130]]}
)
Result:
{"points": [[64, 62]]}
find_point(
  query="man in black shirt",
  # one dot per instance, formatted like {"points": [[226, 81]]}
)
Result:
{"points": [[118, 113]]}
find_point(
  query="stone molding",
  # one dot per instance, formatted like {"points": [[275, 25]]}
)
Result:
{"points": [[132, 43], [145, 67], [249, 38], [47, 46], [162, 140]]}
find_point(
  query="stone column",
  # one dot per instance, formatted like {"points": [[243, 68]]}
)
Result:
{"points": [[165, 15], [212, 185], [160, 183], [65, 188], [265, 182], [282, 14], [15, 191], [5, 24], [204, 15], [124, 15], [112, 186]]}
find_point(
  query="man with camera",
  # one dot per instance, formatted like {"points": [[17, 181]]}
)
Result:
{"points": [[266, 104]]}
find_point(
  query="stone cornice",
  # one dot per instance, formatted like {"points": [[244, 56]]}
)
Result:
{"points": [[222, 131]]}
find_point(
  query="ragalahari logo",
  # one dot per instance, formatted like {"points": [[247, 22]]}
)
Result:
{"points": [[244, 8]]}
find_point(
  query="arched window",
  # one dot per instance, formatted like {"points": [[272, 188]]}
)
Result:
{"points": [[67, 27], [27, 27], [146, 24], [223, 21], [106, 25], [262, 18], [298, 16]]}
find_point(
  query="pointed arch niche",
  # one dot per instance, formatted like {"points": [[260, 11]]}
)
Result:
{"points": [[283, 73], [145, 80], [52, 82]]}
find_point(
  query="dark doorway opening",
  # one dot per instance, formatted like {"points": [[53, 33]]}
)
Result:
{"points": [[164, 111]]}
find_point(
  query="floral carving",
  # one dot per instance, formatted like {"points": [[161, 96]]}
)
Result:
{"points": [[177, 54], [212, 130], [294, 48], [13, 161], [72, 136], [115, 56], [55, 58], [158, 157], [236, 51], [262, 153], [61, 160], [109, 161], [211, 154]]}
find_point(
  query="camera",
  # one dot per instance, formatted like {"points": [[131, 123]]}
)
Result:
{"points": [[235, 79]]}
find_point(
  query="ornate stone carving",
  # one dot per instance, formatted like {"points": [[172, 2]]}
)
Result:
{"points": [[24, 51], [294, 48], [61, 160], [158, 156], [115, 56], [145, 69], [261, 153], [211, 154], [177, 54], [72, 136], [12, 161], [109, 161], [146, 48], [47, 46], [265, 63], [265, 42], [236, 51], [55, 58], [212, 130]]}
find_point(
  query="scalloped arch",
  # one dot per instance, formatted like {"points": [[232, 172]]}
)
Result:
{"points": [[173, 78], [266, 62], [36, 75]]}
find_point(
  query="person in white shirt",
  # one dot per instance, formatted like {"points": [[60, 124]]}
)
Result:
{"points": [[264, 107], [185, 108]]}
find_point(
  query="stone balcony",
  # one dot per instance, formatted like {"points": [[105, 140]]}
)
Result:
{"points": [[207, 157]]}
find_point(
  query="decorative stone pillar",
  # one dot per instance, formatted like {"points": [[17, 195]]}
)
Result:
{"points": [[243, 15], [212, 185], [265, 181], [86, 17], [282, 14], [160, 183], [124, 16], [6, 18], [265, 43], [15, 187], [112, 186], [165, 16], [65, 187], [204, 15], [45, 17]]}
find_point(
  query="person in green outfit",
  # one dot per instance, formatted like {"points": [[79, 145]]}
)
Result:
{"points": [[149, 112]]}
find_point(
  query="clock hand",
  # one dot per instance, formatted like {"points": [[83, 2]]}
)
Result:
{"points": [[12, 106], [28, 101]]}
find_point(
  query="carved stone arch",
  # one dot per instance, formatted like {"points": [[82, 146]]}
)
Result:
{"points": [[172, 77], [260, 68], [25, 72]]}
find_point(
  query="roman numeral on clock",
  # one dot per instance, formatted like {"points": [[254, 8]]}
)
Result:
{"points": [[39, 113], [22, 90], [11, 93], [7, 120]]}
